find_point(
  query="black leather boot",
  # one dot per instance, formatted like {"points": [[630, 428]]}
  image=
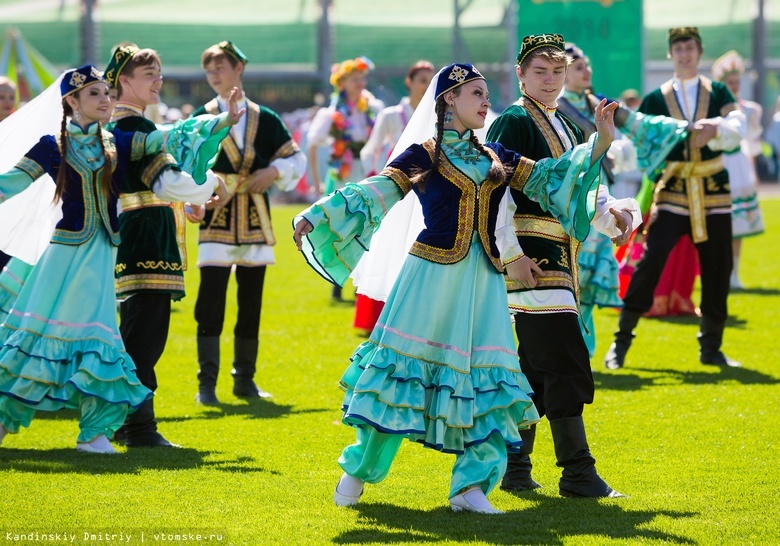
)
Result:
{"points": [[616, 355], [244, 366], [208, 360], [579, 477], [142, 428], [518, 465], [710, 340], [335, 293]]}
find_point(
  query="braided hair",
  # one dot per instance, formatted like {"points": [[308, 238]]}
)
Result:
{"points": [[420, 178], [497, 172], [106, 178]]}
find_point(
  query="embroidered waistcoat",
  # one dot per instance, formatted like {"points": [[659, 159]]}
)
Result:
{"points": [[85, 208], [524, 128], [453, 205], [246, 217]]}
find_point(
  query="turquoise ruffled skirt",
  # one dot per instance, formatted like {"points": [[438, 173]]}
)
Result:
{"points": [[60, 339], [599, 284], [598, 272], [12, 279], [440, 367]]}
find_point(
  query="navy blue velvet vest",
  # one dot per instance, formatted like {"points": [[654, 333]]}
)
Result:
{"points": [[84, 206], [454, 206]]}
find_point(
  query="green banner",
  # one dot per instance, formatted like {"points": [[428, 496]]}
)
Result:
{"points": [[608, 31]]}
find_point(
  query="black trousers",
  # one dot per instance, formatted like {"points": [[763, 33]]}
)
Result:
{"points": [[144, 321], [555, 359], [715, 262], [4, 259], [212, 294]]}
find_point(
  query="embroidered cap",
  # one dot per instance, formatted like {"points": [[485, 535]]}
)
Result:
{"points": [[77, 78], [230, 48], [119, 59], [456, 75], [536, 41], [730, 62], [684, 33]]}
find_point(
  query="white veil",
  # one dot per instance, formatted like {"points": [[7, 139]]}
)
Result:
{"points": [[27, 220], [378, 269]]}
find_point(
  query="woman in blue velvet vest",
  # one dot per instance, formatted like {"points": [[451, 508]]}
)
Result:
{"points": [[60, 345], [440, 367]]}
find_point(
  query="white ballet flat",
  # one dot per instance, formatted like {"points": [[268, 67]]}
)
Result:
{"points": [[98, 445], [459, 503], [345, 500]]}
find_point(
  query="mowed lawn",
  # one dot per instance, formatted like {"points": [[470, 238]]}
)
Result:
{"points": [[693, 445]]}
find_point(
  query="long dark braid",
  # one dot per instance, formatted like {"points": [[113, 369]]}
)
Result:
{"points": [[106, 179], [62, 175], [497, 171], [422, 177]]}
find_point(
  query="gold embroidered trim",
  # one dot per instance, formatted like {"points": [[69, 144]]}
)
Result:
{"points": [[539, 226], [31, 167], [681, 199], [286, 150], [141, 199], [253, 222], [484, 194], [131, 283], [92, 210], [161, 264], [399, 177], [694, 183], [522, 174], [549, 132], [155, 167], [466, 207], [138, 146], [548, 279]]}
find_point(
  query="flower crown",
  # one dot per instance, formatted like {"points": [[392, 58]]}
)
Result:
{"points": [[339, 70]]}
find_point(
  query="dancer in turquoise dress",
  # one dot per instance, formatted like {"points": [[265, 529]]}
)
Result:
{"points": [[440, 366], [59, 342]]}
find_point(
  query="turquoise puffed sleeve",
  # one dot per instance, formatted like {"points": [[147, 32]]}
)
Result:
{"points": [[193, 143], [14, 182], [567, 187], [343, 224], [653, 136]]}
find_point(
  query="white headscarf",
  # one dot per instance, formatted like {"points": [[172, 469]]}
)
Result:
{"points": [[27, 220], [376, 272]]}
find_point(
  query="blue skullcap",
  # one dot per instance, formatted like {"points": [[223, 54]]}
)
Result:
{"points": [[78, 78], [455, 75]]}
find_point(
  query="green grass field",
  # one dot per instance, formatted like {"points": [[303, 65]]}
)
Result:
{"points": [[693, 446]]}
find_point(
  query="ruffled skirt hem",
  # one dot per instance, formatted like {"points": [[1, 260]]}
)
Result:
{"points": [[434, 404], [52, 374]]}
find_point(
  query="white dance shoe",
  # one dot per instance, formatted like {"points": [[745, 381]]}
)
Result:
{"points": [[473, 500], [351, 491], [98, 445]]}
